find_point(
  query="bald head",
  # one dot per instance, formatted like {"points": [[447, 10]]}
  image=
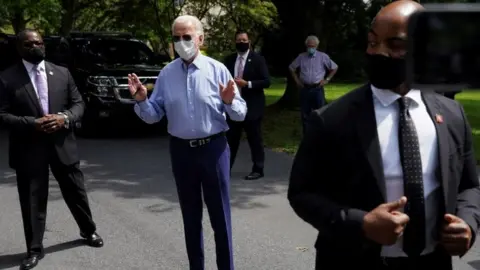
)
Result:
{"points": [[387, 45], [397, 13], [389, 28]]}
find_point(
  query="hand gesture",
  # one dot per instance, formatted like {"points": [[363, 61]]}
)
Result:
{"points": [[39, 122], [137, 89], [241, 82], [300, 85], [323, 82], [386, 223], [227, 93], [50, 123], [456, 235], [53, 123]]}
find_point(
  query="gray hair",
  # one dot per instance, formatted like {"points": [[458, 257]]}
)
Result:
{"points": [[312, 38], [185, 19]]}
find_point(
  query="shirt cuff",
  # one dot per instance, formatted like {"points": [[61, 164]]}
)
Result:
{"points": [[249, 84], [233, 106], [144, 105]]}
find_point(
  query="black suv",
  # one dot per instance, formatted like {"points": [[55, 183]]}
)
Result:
{"points": [[99, 63]]}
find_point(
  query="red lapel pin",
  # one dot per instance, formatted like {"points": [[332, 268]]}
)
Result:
{"points": [[439, 118]]}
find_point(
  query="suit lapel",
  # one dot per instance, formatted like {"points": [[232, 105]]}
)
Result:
{"points": [[366, 126], [29, 88], [435, 110], [248, 61], [49, 72], [231, 64]]}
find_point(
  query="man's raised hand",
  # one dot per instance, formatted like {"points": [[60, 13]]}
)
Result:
{"points": [[137, 89]]}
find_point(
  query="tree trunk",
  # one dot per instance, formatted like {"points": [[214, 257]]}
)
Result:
{"points": [[67, 23], [19, 23], [68, 17], [291, 96]]}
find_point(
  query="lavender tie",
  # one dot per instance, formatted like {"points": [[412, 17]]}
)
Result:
{"points": [[42, 89]]}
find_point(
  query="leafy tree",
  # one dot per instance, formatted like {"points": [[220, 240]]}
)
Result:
{"points": [[20, 13]]}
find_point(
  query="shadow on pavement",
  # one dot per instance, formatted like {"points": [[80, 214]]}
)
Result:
{"points": [[139, 167], [13, 260]]}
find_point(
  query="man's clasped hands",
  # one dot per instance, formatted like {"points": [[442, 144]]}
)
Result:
{"points": [[386, 223], [50, 123]]}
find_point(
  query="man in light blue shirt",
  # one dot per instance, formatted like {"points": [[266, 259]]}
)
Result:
{"points": [[194, 92], [316, 70]]}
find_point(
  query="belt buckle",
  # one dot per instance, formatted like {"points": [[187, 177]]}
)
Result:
{"points": [[203, 141], [192, 143]]}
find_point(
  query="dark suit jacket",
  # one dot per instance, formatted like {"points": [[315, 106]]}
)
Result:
{"points": [[255, 71], [19, 107], [337, 175]]}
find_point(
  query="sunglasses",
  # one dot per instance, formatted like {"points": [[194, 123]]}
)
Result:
{"points": [[184, 37]]}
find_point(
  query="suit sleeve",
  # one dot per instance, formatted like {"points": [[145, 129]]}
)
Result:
{"points": [[7, 118], [77, 105], [468, 199], [309, 189], [264, 78]]}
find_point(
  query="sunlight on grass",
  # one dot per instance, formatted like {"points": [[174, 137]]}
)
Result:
{"points": [[282, 128], [471, 103]]}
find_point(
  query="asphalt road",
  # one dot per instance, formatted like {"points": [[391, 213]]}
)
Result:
{"points": [[134, 201]]}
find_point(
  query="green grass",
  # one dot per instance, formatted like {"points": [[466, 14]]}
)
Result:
{"points": [[283, 130]]}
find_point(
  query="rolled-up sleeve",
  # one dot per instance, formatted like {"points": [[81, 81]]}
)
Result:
{"points": [[328, 62], [296, 63], [152, 109]]}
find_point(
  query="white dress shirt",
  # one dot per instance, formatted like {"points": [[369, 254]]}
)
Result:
{"points": [[387, 117], [237, 65], [31, 73]]}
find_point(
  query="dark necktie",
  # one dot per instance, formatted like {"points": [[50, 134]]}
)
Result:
{"points": [[414, 234]]}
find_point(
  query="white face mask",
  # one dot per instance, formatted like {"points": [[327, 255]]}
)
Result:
{"points": [[185, 49]]}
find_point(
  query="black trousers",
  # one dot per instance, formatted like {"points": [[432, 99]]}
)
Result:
{"points": [[253, 130], [32, 183]]}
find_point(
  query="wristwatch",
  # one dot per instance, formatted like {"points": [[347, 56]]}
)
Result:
{"points": [[67, 121]]}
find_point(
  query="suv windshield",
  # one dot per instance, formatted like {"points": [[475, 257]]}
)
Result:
{"points": [[124, 52]]}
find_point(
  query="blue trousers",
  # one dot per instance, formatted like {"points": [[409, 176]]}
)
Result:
{"points": [[205, 168], [310, 99]]}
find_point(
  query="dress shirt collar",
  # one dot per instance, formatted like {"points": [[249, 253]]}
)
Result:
{"points": [[387, 97], [199, 62], [243, 55], [31, 67]]}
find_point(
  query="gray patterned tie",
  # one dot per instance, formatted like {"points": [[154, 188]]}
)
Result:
{"points": [[240, 67], [42, 88], [414, 234]]}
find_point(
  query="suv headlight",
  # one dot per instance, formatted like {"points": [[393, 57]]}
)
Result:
{"points": [[102, 85]]}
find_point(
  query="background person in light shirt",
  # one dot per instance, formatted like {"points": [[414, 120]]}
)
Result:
{"points": [[316, 70], [195, 92]]}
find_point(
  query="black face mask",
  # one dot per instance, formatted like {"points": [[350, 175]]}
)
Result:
{"points": [[34, 55], [385, 72], [242, 46]]}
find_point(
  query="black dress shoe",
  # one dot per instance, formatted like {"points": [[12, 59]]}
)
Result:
{"points": [[254, 176], [93, 240], [31, 261]]}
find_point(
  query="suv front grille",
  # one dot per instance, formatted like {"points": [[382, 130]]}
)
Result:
{"points": [[122, 86]]}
